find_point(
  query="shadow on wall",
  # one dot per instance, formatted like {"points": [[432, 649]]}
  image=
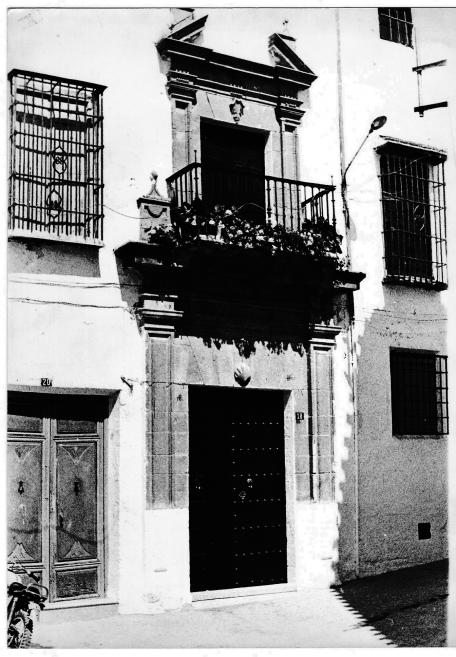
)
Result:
{"points": [[53, 258], [402, 481], [398, 484]]}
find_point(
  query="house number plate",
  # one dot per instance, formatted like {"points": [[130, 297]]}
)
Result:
{"points": [[46, 382]]}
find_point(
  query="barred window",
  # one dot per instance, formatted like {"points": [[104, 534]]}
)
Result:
{"points": [[396, 24], [56, 157], [414, 215], [419, 393]]}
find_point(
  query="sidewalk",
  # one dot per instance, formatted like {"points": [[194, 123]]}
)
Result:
{"points": [[403, 608], [317, 618]]}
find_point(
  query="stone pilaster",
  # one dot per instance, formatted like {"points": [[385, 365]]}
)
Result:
{"points": [[166, 416], [321, 413], [314, 453]]}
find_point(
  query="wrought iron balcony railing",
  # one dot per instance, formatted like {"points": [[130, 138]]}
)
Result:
{"points": [[281, 201]]}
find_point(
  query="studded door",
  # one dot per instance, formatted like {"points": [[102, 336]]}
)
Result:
{"points": [[237, 489], [55, 491]]}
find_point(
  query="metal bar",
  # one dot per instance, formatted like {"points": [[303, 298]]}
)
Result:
{"points": [[276, 201], [333, 202], [268, 195], [21, 73], [444, 240], [197, 166], [422, 67], [424, 108], [291, 208], [12, 154]]}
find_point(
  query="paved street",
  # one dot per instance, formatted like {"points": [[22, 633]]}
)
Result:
{"points": [[406, 608]]}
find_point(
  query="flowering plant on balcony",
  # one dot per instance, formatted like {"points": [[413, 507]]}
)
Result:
{"points": [[237, 227]]}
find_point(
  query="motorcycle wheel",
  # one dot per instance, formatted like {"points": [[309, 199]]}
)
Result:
{"points": [[21, 637], [26, 638]]}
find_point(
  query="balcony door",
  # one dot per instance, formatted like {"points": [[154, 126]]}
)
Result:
{"points": [[55, 491], [232, 160]]}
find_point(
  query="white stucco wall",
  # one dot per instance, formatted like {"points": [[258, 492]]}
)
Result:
{"points": [[401, 482]]}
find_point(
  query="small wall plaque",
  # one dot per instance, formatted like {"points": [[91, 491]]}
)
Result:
{"points": [[46, 382], [300, 417]]}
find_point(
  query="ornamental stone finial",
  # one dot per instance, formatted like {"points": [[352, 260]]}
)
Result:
{"points": [[153, 193]]}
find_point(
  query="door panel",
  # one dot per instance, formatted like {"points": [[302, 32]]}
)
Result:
{"points": [[76, 583], [55, 490], [237, 489], [25, 466], [76, 501]]}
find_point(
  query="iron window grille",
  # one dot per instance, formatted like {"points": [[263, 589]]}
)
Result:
{"points": [[56, 157], [419, 393], [414, 215], [396, 24]]}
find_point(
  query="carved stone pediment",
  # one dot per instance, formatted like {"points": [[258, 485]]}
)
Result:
{"points": [[193, 67], [284, 56], [190, 32]]}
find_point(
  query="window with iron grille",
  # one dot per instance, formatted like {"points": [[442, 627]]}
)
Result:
{"points": [[56, 157], [396, 24], [419, 393], [414, 215]]}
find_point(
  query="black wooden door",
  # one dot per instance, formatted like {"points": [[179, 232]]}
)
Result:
{"points": [[233, 168], [237, 489]]}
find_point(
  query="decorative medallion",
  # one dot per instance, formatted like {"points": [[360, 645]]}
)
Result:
{"points": [[54, 204], [76, 551], [59, 160], [19, 554], [76, 451], [242, 374], [237, 110], [22, 451]]}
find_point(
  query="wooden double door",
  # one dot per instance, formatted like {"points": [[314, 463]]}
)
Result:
{"points": [[233, 169], [237, 488], [55, 491]]}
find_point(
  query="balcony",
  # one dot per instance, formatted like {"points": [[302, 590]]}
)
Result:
{"points": [[276, 254], [262, 199]]}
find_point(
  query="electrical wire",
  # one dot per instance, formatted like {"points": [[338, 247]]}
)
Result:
{"points": [[388, 315], [67, 303], [122, 214]]}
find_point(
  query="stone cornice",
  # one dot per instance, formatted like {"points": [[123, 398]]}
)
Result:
{"points": [[392, 144], [323, 335], [194, 67], [158, 314]]}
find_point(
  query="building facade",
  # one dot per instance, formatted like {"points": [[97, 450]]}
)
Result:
{"points": [[211, 393]]}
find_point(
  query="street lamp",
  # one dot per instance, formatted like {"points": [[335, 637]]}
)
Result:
{"points": [[377, 123]]}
